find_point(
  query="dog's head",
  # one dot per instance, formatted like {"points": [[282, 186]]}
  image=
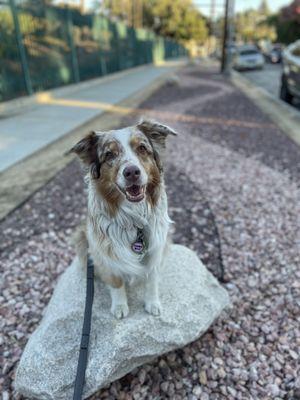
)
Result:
{"points": [[126, 163]]}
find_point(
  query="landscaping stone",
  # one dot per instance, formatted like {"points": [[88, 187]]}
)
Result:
{"points": [[191, 299]]}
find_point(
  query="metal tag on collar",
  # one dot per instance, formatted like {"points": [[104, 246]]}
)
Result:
{"points": [[139, 245]]}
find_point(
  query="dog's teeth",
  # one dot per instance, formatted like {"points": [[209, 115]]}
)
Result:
{"points": [[137, 196]]}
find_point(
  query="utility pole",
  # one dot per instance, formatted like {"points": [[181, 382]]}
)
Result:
{"points": [[137, 13], [140, 13], [131, 12], [212, 27], [82, 6], [231, 26], [212, 10], [224, 61], [228, 36]]}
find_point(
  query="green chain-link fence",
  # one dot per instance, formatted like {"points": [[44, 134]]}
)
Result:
{"points": [[44, 46]]}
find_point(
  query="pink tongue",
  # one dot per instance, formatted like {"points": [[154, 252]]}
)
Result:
{"points": [[134, 190]]}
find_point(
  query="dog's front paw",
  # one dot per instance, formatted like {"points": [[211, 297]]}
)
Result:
{"points": [[153, 307], [119, 310]]}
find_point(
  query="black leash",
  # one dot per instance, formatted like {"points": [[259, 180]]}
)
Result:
{"points": [[138, 247], [86, 329]]}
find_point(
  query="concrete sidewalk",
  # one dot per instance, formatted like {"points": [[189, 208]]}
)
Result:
{"points": [[53, 114]]}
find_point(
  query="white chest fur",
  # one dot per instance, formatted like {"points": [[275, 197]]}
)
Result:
{"points": [[110, 239]]}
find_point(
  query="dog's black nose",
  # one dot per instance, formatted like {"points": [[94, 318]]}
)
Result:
{"points": [[132, 173]]}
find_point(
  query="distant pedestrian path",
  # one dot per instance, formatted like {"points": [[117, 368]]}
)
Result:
{"points": [[56, 113]]}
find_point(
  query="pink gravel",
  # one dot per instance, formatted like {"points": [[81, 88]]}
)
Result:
{"points": [[240, 202]]}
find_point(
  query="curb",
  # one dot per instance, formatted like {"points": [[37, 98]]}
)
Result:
{"points": [[22, 180], [283, 115]]}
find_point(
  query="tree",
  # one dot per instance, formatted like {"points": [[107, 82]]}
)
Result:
{"points": [[264, 8], [177, 19], [252, 25], [291, 13], [287, 23]]}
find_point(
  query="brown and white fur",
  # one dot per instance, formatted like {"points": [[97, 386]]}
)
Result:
{"points": [[126, 192]]}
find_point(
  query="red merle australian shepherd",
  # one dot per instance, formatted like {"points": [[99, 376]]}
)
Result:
{"points": [[127, 223]]}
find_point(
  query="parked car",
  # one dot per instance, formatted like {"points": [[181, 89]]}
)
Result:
{"points": [[290, 78], [275, 55], [248, 57]]}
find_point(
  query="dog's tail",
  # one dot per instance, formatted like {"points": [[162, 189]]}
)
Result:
{"points": [[80, 242]]}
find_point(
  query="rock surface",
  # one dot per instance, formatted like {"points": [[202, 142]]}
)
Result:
{"points": [[191, 299]]}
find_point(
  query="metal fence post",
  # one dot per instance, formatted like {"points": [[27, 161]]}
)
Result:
{"points": [[21, 47], [74, 59]]}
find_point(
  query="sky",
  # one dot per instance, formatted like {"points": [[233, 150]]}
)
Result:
{"points": [[239, 5], [274, 5], [204, 5]]}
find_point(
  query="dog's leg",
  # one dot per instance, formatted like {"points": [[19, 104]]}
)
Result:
{"points": [[119, 306], [152, 303], [156, 264], [80, 243]]}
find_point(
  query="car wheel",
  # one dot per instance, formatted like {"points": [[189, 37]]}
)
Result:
{"points": [[285, 95]]}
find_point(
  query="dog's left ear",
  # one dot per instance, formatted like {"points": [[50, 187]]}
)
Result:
{"points": [[157, 135], [87, 150]]}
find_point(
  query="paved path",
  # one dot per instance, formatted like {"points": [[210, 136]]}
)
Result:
{"points": [[58, 112]]}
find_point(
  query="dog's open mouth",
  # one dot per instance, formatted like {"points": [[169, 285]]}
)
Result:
{"points": [[135, 193]]}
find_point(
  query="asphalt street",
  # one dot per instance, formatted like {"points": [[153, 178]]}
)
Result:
{"points": [[268, 79]]}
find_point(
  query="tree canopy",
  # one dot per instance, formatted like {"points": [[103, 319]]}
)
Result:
{"points": [[284, 26], [252, 26], [287, 23], [177, 19]]}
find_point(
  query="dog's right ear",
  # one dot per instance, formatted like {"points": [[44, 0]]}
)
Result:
{"points": [[157, 133], [87, 150]]}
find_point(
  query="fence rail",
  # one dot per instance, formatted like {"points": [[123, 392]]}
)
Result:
{"points": [[43, 46]]}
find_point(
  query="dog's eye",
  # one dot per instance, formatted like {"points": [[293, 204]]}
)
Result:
{"points": [[109, 155], [142, 149]]}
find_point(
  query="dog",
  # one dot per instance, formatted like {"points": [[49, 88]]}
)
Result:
{"points": [[127, 225]]}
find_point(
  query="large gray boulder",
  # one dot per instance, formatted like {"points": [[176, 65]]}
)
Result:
{"points": [[191, 299]]}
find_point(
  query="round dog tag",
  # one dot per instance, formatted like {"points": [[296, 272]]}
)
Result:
{"points": [[137, 247]]}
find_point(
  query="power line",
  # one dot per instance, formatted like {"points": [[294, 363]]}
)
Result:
{"points": [[208, 5]]}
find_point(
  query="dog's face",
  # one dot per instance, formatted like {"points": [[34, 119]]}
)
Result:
{"points": [[125, 163]]}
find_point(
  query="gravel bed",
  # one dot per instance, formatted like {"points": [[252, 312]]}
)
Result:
{"points": [[234, 195]]}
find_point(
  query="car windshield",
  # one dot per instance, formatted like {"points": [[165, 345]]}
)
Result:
{"points": [[248, 52]]}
